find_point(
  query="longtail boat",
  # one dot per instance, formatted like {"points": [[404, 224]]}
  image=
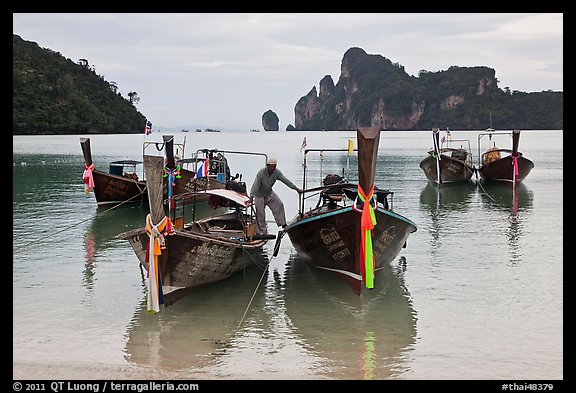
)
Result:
{"points": [[503, 165], [125, 181], [446, 162], [353, 231], [120, 184], [178, 256]]}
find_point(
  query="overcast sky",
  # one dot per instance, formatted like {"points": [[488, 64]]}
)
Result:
{"points": [[225, 70]]}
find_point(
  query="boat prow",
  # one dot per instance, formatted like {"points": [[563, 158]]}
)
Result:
{"points": [[503, 165], [353, 231], [449, 161], [197, 253]]}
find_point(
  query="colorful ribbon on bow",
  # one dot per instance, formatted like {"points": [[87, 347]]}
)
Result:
{"points": [[367, 223], [515, 164], [157, 242], [88, 178], [172, 175]]}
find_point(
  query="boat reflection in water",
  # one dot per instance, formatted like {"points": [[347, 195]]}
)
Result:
{"points": [[454, 196], [195, 331], [506, 196], [511, 204], [448, 208], [298, 324], [361, 337], [107, 223]]}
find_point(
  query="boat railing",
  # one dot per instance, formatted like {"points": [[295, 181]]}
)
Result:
{"points": [[218, 162], [317, 190], [497, 151], [179, 148], [127, 168], [490, 134], [450, 144], [346, 185]]}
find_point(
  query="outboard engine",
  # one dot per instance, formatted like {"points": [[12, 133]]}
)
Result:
{"points": [[333, 194]]}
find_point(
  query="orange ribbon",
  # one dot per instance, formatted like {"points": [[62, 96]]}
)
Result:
{"points": [[156, 244]]}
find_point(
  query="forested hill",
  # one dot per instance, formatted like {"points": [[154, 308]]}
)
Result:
{"points": [[55, 95], [373, 91]]}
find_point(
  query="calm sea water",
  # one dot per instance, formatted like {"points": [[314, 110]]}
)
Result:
{"points": [[476, 294]]}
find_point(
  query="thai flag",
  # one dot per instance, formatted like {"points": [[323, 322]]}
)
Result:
{"points": [[203, 170], [148, 128], [304, 144]]}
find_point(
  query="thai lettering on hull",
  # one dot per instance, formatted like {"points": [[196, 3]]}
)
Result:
{"points": [[334, 243]]}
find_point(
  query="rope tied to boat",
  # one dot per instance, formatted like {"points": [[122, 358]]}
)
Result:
{"points": [[367, 223], [157, 242], [88, 178]]}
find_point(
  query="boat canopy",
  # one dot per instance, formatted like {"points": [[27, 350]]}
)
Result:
{"points": [[126, 162], [241, 199]]}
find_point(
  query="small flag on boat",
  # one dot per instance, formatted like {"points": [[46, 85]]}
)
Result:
{"points": [[304, 144], [350, 147], [148, 128], [203, 170]]}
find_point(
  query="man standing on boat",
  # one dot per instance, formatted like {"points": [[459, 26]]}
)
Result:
{"points": [[264, 196]]}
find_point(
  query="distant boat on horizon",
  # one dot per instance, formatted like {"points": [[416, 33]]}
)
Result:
{"points": [[211, 130]]}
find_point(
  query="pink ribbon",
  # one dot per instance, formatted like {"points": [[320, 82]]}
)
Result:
{"points": [[88, 178], [515, 163]]}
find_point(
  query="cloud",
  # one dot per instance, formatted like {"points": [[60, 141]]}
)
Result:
{"points": [[225, 69]]}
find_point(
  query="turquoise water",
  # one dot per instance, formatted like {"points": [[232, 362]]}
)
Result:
{"points": [[476, 294]]}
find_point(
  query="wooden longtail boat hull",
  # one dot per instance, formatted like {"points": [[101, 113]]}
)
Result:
{"points": [[113, 189], [446, 165], [451, 170], [494, 167], [202, 252], [109, 188], [503, 169], [191, 260], [330, 235], [338, 251]]}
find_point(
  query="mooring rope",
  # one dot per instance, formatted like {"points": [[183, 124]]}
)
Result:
{"points": [[251, 298], [38, 241], [485, 192]]}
